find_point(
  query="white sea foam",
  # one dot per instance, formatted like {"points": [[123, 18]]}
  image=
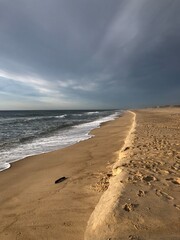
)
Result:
{"points": [[61, 116], [30, 118], [91, 113], [4, 166], [59, 140], [78, 114]]}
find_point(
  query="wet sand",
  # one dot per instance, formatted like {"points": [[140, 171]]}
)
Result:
{"points": [[145, 191], [32, 206]]}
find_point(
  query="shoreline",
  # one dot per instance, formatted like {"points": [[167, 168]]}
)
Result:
{"points": [[32, 206], [112, 117], [120, 184]]}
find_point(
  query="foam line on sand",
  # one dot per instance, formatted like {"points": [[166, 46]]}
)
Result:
{"points": [[104, 212]]}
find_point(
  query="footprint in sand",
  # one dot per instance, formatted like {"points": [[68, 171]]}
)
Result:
{"points": [[164, 172], [130, 206], [175, 180], [135, 177], [133, 237], [149, 178], [67, 224], [163, 194], [177, 206], [141, 193]]}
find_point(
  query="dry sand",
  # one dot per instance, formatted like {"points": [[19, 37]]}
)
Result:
{"points": [[124, 183], [144, 194], [33, 207]]}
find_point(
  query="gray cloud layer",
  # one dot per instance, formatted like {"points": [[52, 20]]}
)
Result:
{"points": [[89, 54]]}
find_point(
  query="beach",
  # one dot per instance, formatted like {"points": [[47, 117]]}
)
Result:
{"points": [[143, 198], [32, 206], [121, 184], [90, 120]]}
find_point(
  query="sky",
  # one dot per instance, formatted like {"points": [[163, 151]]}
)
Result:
{"points": [[89, 54]]}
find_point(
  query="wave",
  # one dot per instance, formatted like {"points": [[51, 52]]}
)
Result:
{"points": [[26, 119], [92, 113], [44, 117], [78, 114], [46, 133], [61, 116], [4, 166], [97, 123], [85, 113], [61, 138]]}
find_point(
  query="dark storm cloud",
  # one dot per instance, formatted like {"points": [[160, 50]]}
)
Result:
{"points": [[91, 53]]}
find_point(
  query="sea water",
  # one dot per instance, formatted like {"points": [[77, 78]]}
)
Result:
{"points": [[27, 133]]}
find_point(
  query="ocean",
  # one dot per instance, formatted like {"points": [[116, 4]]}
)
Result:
{"points": [[27, 133]]}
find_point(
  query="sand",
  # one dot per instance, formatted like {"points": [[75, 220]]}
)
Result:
{"points": [[122, 184], [32, 206], [145, 192]]}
